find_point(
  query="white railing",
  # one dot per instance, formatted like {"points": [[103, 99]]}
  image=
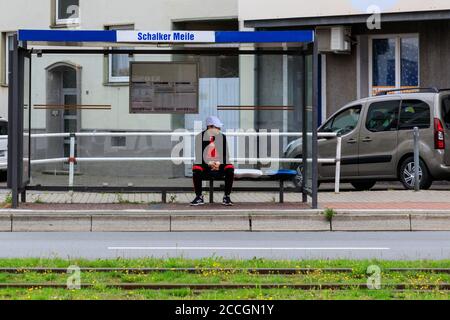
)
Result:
{"points": [[73, 137]]}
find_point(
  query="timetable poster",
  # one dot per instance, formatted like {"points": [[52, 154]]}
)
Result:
{"points": [[164, 87]]}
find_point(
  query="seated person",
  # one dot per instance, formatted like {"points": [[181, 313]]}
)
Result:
{"points": [[212, 160]]}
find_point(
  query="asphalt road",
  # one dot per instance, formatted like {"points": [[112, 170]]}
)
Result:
{"points": [[387, 246]]}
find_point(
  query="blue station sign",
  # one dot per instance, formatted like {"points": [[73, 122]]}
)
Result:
{"points": [[126, 36]]}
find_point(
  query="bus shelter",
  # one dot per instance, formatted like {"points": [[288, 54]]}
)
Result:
{"points": [[117, 111]]}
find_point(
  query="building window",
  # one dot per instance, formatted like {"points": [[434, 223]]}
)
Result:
{"points": [[409, 51], [118, 142], [67, 11], [8, 46], [119, 64], [394, 62]]}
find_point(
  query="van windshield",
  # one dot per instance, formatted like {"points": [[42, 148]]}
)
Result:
{"points": [[446, 111]]}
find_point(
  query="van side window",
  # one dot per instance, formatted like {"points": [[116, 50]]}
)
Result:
{"points": [[414, 113], [344, 122], [383, 116], [446, 111]]}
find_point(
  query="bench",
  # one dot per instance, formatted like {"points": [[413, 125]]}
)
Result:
{"points": [[256, 175]]}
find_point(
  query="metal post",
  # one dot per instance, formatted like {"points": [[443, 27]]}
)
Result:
{"points": [[315, 124], [304, 141], [416, 159], [72, 160], [211, 191], [338, 165], [282, 190], [15, 119]]}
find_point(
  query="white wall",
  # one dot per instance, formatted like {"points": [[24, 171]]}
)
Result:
{"points": [[20, 14], [146, 14], [24, 14], [269, 9], [153, 14]]}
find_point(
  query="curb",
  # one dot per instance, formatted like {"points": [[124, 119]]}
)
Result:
{"points": [[431, 222], [130, 223], [216, 223], [288, 223], [231, 221], [54, 223], [375, 222]]}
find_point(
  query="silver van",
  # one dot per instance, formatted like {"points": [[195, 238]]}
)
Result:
{"points": [[377, 139]]}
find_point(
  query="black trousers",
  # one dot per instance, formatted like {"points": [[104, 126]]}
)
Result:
{"points": [[204, 172]]}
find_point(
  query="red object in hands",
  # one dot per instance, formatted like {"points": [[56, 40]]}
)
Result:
{"points": [[212, 148]]}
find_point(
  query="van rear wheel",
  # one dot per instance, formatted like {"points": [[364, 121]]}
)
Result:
{"points": [[406, 175], [363, 185]]}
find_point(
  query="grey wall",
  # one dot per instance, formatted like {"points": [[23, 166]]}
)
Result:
{"points": [[435, 54], [341, 80]]}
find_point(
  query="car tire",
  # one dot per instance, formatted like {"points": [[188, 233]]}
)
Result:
{"points": [[406, 174], [363, 185], [298, 179]]}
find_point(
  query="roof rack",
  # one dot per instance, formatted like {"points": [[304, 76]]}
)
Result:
{"points": [[424, 90]]}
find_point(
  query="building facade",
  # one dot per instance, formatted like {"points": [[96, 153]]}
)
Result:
{"points": [[98, 85], [387, 44], [101, 15], [88, 80]]}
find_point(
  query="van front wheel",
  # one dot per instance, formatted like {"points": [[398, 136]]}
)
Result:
{"points": [[406, 174], [298, 179]]}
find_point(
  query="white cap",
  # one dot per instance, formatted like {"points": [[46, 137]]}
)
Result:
{"points": [[214, 121]]}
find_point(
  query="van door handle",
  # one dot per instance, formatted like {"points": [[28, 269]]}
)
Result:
{"points": [[368, 139], [352, 141]]}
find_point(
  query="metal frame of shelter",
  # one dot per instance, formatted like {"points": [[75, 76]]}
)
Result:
{"points": [[65, 40]]}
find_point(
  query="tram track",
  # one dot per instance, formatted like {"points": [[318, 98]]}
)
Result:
{"points": [[200, 270]]}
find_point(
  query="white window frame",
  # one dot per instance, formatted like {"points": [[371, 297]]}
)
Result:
{"points": [[66, 21], [112, 79], [398, 57], [6, 53]]}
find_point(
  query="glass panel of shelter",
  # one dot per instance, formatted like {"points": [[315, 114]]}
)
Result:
{"points": [[271, 99]]}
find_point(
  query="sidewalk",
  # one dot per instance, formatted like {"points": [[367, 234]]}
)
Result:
{"points": [[393, 210], [371, 200]]}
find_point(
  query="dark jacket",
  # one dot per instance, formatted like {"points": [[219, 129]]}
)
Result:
{"points": [[209, 143]]}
